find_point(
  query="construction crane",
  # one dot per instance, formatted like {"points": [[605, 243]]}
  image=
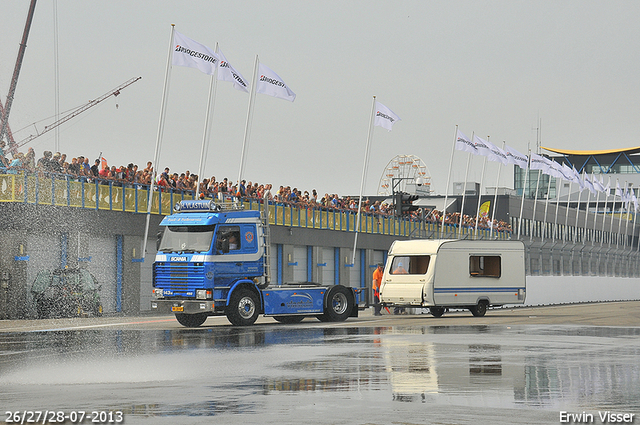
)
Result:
{"points": [[4, 111], [78, 111]]}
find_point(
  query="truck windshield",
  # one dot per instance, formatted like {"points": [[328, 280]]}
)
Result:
{"points": [[187, 239]]}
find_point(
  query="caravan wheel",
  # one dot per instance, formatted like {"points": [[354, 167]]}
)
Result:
{"points": [[436, 311], [480, 309]]}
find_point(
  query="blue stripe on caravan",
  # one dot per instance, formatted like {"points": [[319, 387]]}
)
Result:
{"points": [[445, 290]]}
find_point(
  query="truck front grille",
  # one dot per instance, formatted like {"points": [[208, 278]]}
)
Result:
{"points": [[179, 278]]}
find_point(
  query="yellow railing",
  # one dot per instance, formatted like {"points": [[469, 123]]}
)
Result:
{"points": [[59, 190]]}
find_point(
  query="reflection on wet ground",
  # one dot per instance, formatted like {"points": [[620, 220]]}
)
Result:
{"points": [[320, 374]]}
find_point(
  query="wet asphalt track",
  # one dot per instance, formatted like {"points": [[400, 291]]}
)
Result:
{"points": [[522, 365]]}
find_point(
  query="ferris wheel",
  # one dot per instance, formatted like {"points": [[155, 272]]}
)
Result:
{"points": [[403, 172]]}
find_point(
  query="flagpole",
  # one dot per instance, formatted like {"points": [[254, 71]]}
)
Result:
{"points": [[484, 163], [566, 213], [535, 203], [364, 174], [524, 187], [575, 233], [156, 156], [613, 207], [464, 191], [595, 217], [546, 207], [446, 190], [495, 197], [606, 199], [247, 128], [633, 228], [555, 223], [211, 102], [626, 221], [620, 218], [586, 211]]}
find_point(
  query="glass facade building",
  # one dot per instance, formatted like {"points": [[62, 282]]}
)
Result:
{"points": [[622, 165]]}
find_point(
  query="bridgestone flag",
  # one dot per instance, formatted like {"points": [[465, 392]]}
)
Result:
{"points": [[228, 73], [385, 117], [270, 83], [188, 52], [515, 157], [464, 144]]}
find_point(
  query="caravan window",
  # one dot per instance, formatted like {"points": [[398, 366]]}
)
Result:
{"points": [[415, 264], [485, 265]]}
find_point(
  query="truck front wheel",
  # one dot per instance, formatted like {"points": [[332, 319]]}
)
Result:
{"points": [[243, 307], [191, 320]]}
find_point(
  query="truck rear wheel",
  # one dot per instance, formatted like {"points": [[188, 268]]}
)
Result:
{"points": [[243, 307], [191, 320], [436, 311], [480, 309], [339, 303]]}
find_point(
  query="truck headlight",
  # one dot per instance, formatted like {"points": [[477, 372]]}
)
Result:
{"points": [[201, 294], [158, 292]]}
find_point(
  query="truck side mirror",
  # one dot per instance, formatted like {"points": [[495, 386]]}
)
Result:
{"points": [[158, 240]]}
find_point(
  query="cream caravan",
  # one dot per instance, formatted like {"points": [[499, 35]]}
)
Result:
{"points": [[444, 274]]}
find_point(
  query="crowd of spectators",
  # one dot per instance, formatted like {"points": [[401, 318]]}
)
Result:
{"points": [[80, 169]]}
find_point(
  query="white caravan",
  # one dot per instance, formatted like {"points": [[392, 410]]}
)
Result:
{"points": [[444, 274]]}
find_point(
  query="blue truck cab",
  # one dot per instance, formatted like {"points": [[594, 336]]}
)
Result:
{"points": [[213, 260]]}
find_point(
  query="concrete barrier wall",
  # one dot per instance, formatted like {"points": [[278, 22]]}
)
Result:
{"points": [[542, 290]]}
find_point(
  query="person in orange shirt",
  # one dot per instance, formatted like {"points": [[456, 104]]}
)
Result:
{"points": [[377, 278]]}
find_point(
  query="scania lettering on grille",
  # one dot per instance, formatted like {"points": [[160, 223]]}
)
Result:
{"points": [[178, 258]]}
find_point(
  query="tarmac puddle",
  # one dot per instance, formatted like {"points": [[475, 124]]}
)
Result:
{"points": [[284, 373]]}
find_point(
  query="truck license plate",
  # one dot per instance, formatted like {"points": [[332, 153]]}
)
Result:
{"points": [[174, 308]]}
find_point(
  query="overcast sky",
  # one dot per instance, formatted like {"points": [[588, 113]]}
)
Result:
{"points": [[496, 68]]}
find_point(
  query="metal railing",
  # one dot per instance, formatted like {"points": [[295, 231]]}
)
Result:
{"points": [[67, 191]]}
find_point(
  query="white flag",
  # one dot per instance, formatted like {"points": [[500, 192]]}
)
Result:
{"points": [[464, 144], [578, 178], [588, 182], [228, 73], [618, 189], [385, 117], [485, 148], [539, 162], [555, 169], [188, 52], [568, 173], [598, 184], [515, 157], [498, 154], [270, 83]]}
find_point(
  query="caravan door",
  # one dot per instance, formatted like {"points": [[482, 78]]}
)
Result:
{"points": [[405, 278]]}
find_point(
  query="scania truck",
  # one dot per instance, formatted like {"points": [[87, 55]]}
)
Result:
{"points": [[213, 260]]}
